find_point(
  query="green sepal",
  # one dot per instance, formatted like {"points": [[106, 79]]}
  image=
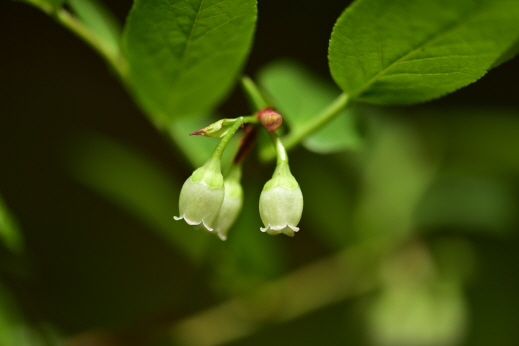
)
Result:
{"points": [[217, 129], [282, 177], [210, 173]]}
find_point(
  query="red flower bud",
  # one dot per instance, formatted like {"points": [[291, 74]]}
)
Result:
{"points": [[269, 118]]}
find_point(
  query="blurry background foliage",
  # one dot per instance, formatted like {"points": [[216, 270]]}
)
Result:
{"points": [[410, 229]]}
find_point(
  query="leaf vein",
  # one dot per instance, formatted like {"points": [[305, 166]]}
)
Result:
{"points": [[417, 49], [442, 57], [427, 73], [187, 45], [216, 27]]}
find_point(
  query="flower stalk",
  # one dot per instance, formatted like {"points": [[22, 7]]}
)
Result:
{"points": [[218, 151]]}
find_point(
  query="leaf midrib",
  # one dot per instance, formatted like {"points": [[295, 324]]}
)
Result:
{"points": [[428, 42], [187, 45]]}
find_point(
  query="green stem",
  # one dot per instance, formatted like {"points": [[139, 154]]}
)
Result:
{"points": [[255, 95], [300, 133], [70, 22], [218, 151], [116, 60], [281, 152]]}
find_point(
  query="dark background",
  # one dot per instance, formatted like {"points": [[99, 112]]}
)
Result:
{"points": [[54, 88]]}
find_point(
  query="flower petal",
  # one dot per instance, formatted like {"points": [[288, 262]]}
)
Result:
{"points": [[285, 229], [193, 223]]}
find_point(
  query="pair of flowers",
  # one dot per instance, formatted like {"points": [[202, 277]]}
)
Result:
{"points": [[207, 199]]}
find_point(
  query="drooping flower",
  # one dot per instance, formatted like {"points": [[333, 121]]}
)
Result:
{"points": [[281, 203], [232, 203], [202, 195]]}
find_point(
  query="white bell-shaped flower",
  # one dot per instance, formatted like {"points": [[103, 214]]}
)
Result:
{"points": [[281, 203], [202, 195]]}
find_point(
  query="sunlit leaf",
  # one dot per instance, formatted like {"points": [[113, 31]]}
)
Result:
{"points": [[402, 52], [184, 56]]}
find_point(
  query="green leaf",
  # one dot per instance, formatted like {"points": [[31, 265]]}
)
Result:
{"points": [[299, 95], [100, 21], [184, 55], [9, 233], [403, 52]]}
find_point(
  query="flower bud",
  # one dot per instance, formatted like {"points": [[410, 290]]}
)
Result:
{"points": [[232, 203], [269, 118], [202, 195], [217, 129], [281, 203]]}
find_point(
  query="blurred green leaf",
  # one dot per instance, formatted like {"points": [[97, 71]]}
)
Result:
{"points": [[299, 95], [414, 315], [397, 172], [16, 331], [466, 202], [10, 321], [138, 185], [9, 233], [402, 52], [100, 21], [184, 55]]}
